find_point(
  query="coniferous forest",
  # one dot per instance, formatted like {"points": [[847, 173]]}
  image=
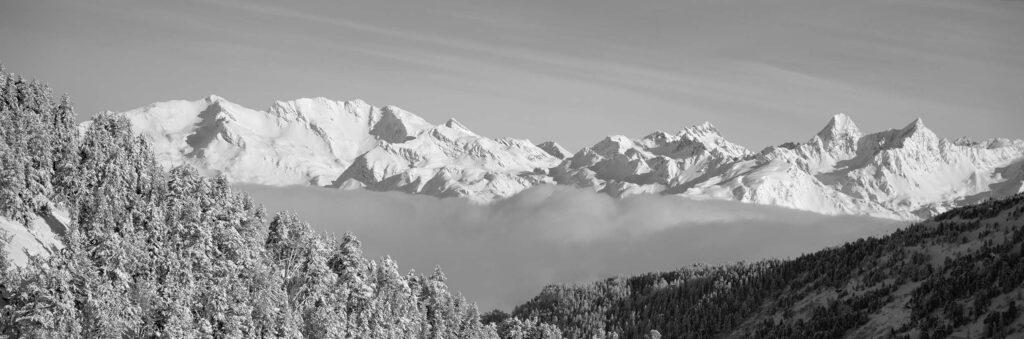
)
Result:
{"points": [[154, 253], [960, 274]]}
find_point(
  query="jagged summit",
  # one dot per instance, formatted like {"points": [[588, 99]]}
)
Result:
{"points": [[905, 173], [840, 126], [918, 128]]}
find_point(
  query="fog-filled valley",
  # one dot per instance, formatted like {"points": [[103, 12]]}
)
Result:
{"points": [[575, 169], [501, 253]]}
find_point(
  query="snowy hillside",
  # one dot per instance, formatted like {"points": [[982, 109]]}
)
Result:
{"points": [[40, 237], [907, 173]]}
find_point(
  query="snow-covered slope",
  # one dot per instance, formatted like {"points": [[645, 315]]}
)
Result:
{"points": [[905, 173], [346, 144], [41, 237]]}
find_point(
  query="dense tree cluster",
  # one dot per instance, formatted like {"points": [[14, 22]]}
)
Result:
{"points": [[155, 253], [951, 269], [37, 142]]}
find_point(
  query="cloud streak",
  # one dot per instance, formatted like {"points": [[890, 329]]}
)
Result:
{"points": [[503, 253]]}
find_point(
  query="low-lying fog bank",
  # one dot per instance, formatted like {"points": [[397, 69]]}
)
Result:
{"points": [[503, 253]]}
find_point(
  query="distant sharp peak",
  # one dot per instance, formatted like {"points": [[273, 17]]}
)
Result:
{"points": [[841, 129], [914, 133], [915, 127], [840, 126]]}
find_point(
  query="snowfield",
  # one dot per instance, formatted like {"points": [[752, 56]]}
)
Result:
{"points": [[907, 173]]}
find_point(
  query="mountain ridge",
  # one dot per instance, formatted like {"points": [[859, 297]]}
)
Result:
{"points": [[907, 173]]}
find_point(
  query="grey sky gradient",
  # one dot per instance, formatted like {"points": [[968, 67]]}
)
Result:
{"points": [[764, 72], [501, 254]]}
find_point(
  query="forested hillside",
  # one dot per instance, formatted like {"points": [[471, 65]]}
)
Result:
{"points": [[959, 274], [152, 253]]}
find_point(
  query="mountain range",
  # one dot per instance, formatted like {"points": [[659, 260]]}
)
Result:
{"points": [[906, 173]]}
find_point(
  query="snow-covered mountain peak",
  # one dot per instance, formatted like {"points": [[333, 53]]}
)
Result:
{"points": [[916, 124], [346, 144], [841, 126], [837, 141], [916, 130]]}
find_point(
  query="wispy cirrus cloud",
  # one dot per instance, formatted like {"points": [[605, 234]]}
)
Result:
{"points": [[575, 71]]}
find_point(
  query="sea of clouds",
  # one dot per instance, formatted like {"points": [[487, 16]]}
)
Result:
{"points": [[503, 253]]}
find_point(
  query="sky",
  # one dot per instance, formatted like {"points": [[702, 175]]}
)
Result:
{"points": [[573, 71], [500, 255]]}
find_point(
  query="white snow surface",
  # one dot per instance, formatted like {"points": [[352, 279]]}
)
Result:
{"points": [[39, 238], [908, 173], [347, 144]]}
